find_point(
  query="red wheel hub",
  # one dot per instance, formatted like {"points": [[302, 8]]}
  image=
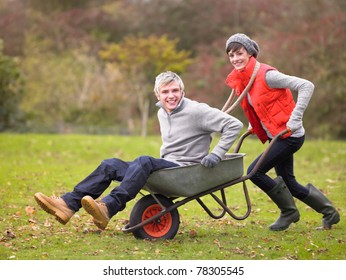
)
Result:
{"points": [[159, 227]]}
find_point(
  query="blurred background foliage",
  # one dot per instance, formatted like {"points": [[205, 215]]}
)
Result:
{"points": [[88, 66]]}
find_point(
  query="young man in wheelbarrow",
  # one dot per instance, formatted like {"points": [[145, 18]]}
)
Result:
{"points": [[186, 127]]}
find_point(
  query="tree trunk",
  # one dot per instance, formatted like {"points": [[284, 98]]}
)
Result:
{"points": [[145, 116]]}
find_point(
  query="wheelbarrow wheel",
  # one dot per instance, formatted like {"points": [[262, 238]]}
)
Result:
{"points": [[165, 227]]}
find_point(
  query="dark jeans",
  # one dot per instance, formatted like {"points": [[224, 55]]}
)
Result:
{"points": [[132, 175], [280, 157]]}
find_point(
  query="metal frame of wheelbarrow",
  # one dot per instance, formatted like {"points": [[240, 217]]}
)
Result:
{"points": [[222, 202]]}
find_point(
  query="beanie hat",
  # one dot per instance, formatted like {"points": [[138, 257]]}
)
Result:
{"points": [[250, 45]]}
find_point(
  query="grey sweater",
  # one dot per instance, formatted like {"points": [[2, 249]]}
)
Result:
{"points": [[186, 132]]}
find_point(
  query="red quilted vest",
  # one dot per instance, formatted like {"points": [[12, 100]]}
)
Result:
{"points": [[272, 107]]}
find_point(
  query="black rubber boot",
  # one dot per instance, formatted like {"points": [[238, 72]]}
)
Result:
{"points": [[283, 198], [320, 203]]}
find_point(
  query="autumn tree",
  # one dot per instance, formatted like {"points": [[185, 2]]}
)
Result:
{"points": [[11, 90], [64, 92], [140, 60]]}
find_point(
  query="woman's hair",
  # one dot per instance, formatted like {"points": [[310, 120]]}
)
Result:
{"points": [[166, 78], [234, 47]]}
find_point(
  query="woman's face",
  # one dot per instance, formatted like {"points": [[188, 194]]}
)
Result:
{"points": [[239, 59], [170, 95]]}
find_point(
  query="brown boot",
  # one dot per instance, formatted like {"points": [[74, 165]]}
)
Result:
{"points": [[55, 206], [98, 210]]}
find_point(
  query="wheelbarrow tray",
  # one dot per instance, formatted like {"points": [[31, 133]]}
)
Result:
{"points": [[186, 181]]}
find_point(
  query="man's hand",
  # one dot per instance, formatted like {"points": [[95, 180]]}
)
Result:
{"points": [[210, 160]]}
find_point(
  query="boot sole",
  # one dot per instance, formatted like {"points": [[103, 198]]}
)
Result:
{"points": [[92, 208], [51, 209]]}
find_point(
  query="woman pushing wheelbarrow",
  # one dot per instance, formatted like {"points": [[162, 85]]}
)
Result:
{"points": [[266, 98]]}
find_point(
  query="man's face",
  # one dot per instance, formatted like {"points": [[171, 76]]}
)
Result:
{"points": [[170, 95]]}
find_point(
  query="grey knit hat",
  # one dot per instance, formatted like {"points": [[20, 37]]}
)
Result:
{"points": [[250, 45]]}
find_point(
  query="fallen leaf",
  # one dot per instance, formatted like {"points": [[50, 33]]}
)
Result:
{"points": [[10, 234], [193, 233], [29, 210]]}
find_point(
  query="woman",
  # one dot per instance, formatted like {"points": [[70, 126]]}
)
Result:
{"points": [[270, 109]]}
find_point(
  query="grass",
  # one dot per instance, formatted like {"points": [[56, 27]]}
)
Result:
{"points": [[53, 164]]}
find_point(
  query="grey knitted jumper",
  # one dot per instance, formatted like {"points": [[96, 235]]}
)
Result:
{"points": [[186, 131]]}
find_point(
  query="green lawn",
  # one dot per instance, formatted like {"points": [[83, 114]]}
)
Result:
{"points": [[53, 164]]}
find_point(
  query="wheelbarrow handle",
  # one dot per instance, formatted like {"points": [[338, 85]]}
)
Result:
{"points": [[241, 140], [264, 154]]}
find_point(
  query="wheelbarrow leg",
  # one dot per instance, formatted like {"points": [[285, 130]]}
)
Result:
{"points": [[222, 202]]}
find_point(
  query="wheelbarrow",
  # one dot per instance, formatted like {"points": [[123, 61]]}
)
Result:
{"points": [[156, 215]]}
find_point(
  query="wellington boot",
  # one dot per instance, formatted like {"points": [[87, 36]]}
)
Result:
{"points": [[282, 197], [320, 203]]}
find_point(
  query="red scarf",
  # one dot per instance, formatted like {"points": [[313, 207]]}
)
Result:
{"points": [[239, 79]]}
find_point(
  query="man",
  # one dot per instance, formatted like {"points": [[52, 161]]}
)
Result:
{"points": [[186, 127]]}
